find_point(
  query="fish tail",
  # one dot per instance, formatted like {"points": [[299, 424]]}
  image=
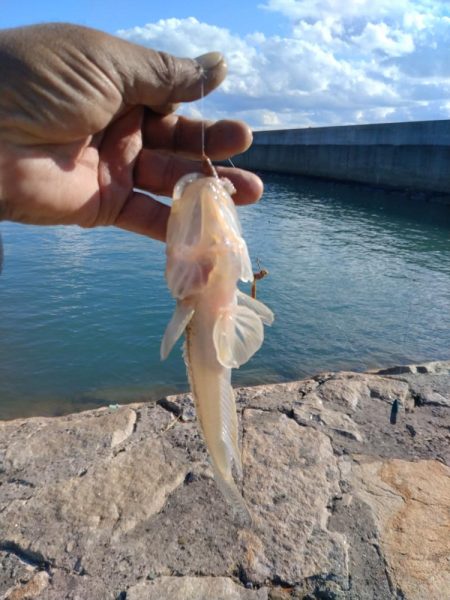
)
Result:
{"points": [[229, 420], [230, 491], [216, 411], [230, 452]]}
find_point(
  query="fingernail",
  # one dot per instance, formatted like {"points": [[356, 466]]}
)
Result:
{"points": [[210, 60]]}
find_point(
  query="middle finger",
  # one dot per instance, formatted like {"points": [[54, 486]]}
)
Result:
{"points": [[180, 135]]}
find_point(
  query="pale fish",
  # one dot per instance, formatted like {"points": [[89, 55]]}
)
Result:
{"points": [[206, 256]]}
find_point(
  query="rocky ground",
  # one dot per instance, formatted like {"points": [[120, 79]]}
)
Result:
{"points": [[346, 475]]}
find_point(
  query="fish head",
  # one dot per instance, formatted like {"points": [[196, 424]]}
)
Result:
{"points": [[203, 235]]}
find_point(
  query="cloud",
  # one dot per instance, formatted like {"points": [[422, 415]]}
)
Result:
{"points": [[189, 37], [342, 10], [380, 37], [185, 37], [342, 62]]}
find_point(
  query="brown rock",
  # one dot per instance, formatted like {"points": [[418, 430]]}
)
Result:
{"points": [[31, 589], [411, 503]]}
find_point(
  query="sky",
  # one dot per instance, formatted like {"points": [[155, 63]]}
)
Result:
{"points": [[292, 63]]}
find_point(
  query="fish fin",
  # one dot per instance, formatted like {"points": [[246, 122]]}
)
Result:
{"points": [[246, 274], [233, 496], [237, 335], [177, 324], [185, 274], [263, 312], [228, 451], [230, 423]]}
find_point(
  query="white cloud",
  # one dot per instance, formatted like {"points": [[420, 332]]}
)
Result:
{"points": [[342, 9], [189, 37], [415, 20], [342, 62], [183, 37], [327, 31], [270, 119], [380, 37]]}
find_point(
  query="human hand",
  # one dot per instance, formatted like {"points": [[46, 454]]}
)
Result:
{"points": [[86, 117]]}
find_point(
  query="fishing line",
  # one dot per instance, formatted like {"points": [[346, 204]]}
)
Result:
{"points": [[202, 95], [262, 272]]}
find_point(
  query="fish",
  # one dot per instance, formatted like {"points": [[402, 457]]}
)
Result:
{"points": [[206, 257]]}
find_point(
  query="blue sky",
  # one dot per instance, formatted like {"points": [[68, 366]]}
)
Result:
{"points": [[292, 63], [241, 16]]}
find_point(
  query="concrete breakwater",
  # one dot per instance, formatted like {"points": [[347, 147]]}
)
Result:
{"points": [[409, 156]]}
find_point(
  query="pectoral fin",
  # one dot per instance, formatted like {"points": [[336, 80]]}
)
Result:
{"points": [[177, 325], [186, 274], [237, 335], [264, 313]]}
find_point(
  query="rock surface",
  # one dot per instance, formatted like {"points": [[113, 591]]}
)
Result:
{"points": [[346, 475], [193, 588]]}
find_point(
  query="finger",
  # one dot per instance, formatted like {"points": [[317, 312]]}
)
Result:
{"points": [[159, 80], [145, 215], [158, 173], [184, 136]]}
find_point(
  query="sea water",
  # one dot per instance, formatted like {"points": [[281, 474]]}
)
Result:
{"points": [[358, 278]]}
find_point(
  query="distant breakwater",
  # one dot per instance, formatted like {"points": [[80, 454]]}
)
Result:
{"points": [[413, 157]]}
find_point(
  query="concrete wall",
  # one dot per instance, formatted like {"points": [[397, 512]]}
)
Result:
{"points": [[412, 156]]}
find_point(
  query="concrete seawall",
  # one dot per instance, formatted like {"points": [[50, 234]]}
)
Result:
{"points": [[410, 156]]}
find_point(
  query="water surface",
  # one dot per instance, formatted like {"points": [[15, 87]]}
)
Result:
{"points": [[359, 278]]}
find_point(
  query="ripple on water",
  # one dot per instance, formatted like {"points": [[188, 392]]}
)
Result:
{"points": [[358, 278]]}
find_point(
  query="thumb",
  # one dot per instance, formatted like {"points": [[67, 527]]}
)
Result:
{"points": [[159, 80]]}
